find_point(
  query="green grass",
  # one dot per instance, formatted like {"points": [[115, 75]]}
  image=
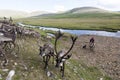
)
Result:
{"points": [[76, 23]]}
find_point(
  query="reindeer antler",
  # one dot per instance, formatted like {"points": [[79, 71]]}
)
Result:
{"points": [[57, 35], [74, 38]]}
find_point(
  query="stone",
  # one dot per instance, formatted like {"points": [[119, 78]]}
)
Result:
{"points": [[10, 75], [0, 76], [15, 63], [81, 79], [101, 78], [5, 70]]}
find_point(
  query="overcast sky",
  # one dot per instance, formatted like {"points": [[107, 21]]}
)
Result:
{"points": [[57, 5]]}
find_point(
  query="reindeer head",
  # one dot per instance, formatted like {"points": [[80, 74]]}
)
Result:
{"points": [[42, 50], [45, 49], [62, 55]]}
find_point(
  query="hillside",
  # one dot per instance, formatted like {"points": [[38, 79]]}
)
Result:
{"points": [[83, 12]]}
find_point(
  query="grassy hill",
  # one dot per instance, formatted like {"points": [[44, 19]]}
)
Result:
{"points": [[83, 12]]}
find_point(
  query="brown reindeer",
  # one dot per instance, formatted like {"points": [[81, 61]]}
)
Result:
{"points": [[46, 51], [62, 55]]}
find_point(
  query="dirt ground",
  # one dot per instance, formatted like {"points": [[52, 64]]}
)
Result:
{"points": [[106, 54]]}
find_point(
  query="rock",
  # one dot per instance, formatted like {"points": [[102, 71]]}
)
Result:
{"points": [[5, 70], [101, 78], [25, 67], [32, 67], [81, 79], [0, 76], [10, 75], [11, 60], [24, 74], [15, 63], [49, 73]]}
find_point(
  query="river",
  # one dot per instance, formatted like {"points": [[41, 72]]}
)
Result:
{"points": [[80, 32]]}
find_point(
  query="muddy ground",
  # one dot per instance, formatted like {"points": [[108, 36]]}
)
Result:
{"points": [[106, 54]]}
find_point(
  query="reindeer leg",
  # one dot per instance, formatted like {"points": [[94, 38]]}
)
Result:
{"points": [[46, 61], [43, 58], [53, 59], [63, 67], [5, 45]]}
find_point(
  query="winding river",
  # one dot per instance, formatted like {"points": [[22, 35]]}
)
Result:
{"points": [[80, 32]]}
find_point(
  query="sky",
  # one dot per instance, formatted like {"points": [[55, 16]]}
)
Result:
{"points": [[57, 5]]}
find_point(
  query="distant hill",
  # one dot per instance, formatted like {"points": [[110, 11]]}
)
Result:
{"points": [[35, 13], [19, 14], [87, 10], [83, 12]]}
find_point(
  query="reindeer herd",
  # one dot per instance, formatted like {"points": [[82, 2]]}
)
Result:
{"points": [[8, 35], [11, 31]]}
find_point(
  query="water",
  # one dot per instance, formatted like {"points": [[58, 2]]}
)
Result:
{"points": [[80, 32], [85, 32]]}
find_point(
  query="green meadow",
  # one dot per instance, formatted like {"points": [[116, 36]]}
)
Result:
{"points": [[107, 24]]}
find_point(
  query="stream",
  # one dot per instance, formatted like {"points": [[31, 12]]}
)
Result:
{"points": [[79, 32]]}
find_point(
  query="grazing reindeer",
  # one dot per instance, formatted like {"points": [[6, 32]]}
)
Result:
{"points": [[46, 52], [62, 56]]}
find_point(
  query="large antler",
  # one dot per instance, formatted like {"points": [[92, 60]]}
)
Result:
{"points": [[57, 36], [73, 38]]}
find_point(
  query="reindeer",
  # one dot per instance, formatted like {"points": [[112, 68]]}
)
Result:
{"points": [[46, 52], [9, 34], [62, 55]]}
